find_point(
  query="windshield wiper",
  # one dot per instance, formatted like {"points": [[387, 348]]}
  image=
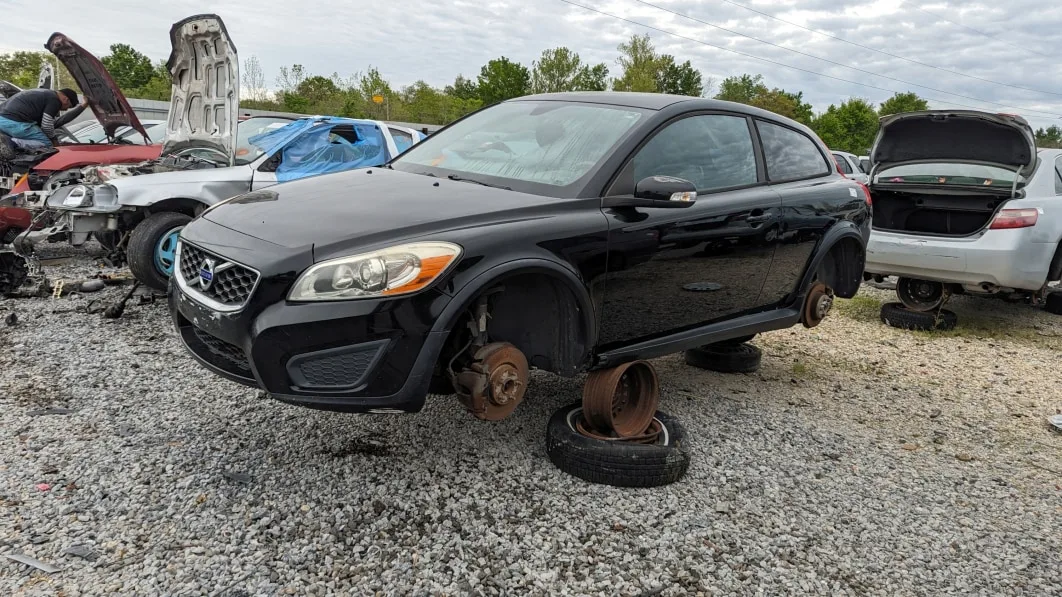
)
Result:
{"points": [[457, 178]]}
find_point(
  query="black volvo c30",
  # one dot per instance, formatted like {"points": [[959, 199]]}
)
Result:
{"points": [[565, 232]]}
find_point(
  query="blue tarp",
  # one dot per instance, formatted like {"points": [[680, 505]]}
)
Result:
{"points": [[310, 148]]}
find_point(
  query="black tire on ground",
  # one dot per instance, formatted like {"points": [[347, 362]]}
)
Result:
{"points": [[898, 316], [141, 250], [1053, 303], [725, 357], [616, 463]]}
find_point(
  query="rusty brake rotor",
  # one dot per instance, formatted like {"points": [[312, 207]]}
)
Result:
{"points": [[495, 383], [818, 304]]}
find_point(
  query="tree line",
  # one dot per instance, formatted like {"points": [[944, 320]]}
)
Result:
{"points": [[850, 125]]}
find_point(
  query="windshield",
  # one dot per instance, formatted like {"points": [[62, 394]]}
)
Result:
{"points": [[247, 152], [949, 174], [156, 133], [548, 143]]}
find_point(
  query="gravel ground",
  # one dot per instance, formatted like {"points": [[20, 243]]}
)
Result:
{"points": [[859, 460]]}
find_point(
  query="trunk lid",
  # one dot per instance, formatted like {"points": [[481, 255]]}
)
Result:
{"points": [[204, 105], [106, 100], [959, 136]]}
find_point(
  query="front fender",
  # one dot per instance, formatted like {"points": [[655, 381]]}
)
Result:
{"points": [[482, 280]]}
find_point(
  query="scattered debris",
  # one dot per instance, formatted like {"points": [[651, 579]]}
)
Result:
{"points": [[237, 477], [81, 551], [11, 319], [910, 447], [43, 487], [92, 286], [934, 413], [51, 410], [39, 565], [964, 457], [1055, 421], [115, 311], [49, 469]]}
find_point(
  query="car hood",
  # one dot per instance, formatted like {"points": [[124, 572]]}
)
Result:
{"points": [[106, 100], [362, 209], [204, 103], [96, 154], [966, 136]]}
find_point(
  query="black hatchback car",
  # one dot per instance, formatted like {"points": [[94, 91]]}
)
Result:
{"points": [[565, 232]]}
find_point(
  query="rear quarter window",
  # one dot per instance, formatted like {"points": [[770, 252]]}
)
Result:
{"points": [[790, 154]]}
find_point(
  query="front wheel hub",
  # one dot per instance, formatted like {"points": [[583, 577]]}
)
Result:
{"points": [[494, 384]]}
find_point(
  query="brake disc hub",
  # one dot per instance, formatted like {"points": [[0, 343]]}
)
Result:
{"points": [[494, 384]]}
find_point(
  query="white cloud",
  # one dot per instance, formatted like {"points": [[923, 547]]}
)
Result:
{"points": [[434, 41]]}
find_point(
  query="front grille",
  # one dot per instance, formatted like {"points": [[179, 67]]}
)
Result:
{"points": [[231, 357], [231, 284]]}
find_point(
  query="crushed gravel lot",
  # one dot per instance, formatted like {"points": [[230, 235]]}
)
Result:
{"points": [[859, 460]]}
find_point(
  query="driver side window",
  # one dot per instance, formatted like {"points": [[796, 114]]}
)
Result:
{"points": [[713, 151]]}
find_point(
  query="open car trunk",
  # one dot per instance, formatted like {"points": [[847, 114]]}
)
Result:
{"points": [[954, 213]]}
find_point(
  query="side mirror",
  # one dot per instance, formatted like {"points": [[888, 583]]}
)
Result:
{"points": [[658, 191]]}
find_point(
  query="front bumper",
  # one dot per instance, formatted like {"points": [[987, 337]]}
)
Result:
{"points": [[349, 356], [1006, 258]]}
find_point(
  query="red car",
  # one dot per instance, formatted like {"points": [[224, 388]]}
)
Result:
{"points": [[25, 177]]}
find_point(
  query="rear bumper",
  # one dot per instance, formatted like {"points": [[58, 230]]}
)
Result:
{"points": [[1007, 258]]}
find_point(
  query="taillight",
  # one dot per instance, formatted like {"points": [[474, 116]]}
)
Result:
{"points": [[1014, 218], [866, 193]]}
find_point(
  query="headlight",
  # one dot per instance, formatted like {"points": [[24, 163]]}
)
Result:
{"points": [[396, 270], [79, 196]]}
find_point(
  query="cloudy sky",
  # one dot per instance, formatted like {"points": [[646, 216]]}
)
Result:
{"points": [[989, 47]]}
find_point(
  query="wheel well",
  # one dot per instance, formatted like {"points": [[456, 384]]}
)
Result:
{"points": [[842, 267], [189, 207], [536, 312]]}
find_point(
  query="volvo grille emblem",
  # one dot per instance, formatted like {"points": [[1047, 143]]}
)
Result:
{"points": [[206, 274]]}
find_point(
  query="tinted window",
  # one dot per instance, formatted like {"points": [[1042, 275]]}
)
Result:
{"points": [[842, 163], [864, 165], [712, 151], [541, 143], [403, 140], [790, 155]]}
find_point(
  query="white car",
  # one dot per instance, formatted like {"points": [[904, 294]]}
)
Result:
{"points": [[850, 166], [964, 203]]}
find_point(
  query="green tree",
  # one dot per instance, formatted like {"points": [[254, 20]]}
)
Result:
{"points": [[640, 66], [902, 102], [1049, 138], [502, 79], [317, 89], [751, 90], [560, 69], [463, 88], [158, 87], [594, 78], [129, 68], [848, 127], [23, 69], [679, 79]]}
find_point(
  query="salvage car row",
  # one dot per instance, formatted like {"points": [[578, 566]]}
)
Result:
{"points": [[354, 266]]}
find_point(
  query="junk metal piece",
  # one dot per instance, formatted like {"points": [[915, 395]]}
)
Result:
{"points": [[13, 272], [92, 285], [1055, 421], [115, 311], [621, 401], [818, 304], [650, 436], [495, 383], [11, 319], [39, 565]]}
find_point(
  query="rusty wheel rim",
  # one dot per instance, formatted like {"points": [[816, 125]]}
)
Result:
{"points": [[620, 402]]}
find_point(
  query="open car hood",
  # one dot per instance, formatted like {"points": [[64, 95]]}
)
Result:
{"points": [[955, 136], [107, 102], [204, 105]]}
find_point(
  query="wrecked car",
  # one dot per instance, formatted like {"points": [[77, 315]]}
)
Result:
{"points": [[565, 232], [964, 203], [144, 206], [32, 174]]}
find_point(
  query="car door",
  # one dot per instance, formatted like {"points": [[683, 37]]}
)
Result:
{"points": [[671, 269], [802, 175]]}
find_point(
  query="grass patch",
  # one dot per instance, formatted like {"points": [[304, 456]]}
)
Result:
{"points": [[993, 328], [800, 369], [859, 308]]}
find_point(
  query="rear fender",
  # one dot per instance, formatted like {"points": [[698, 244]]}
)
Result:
{"points": [[841, 232]]}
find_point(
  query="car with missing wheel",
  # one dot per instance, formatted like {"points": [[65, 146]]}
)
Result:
{"points": [[964, 203], [564, 232]]}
